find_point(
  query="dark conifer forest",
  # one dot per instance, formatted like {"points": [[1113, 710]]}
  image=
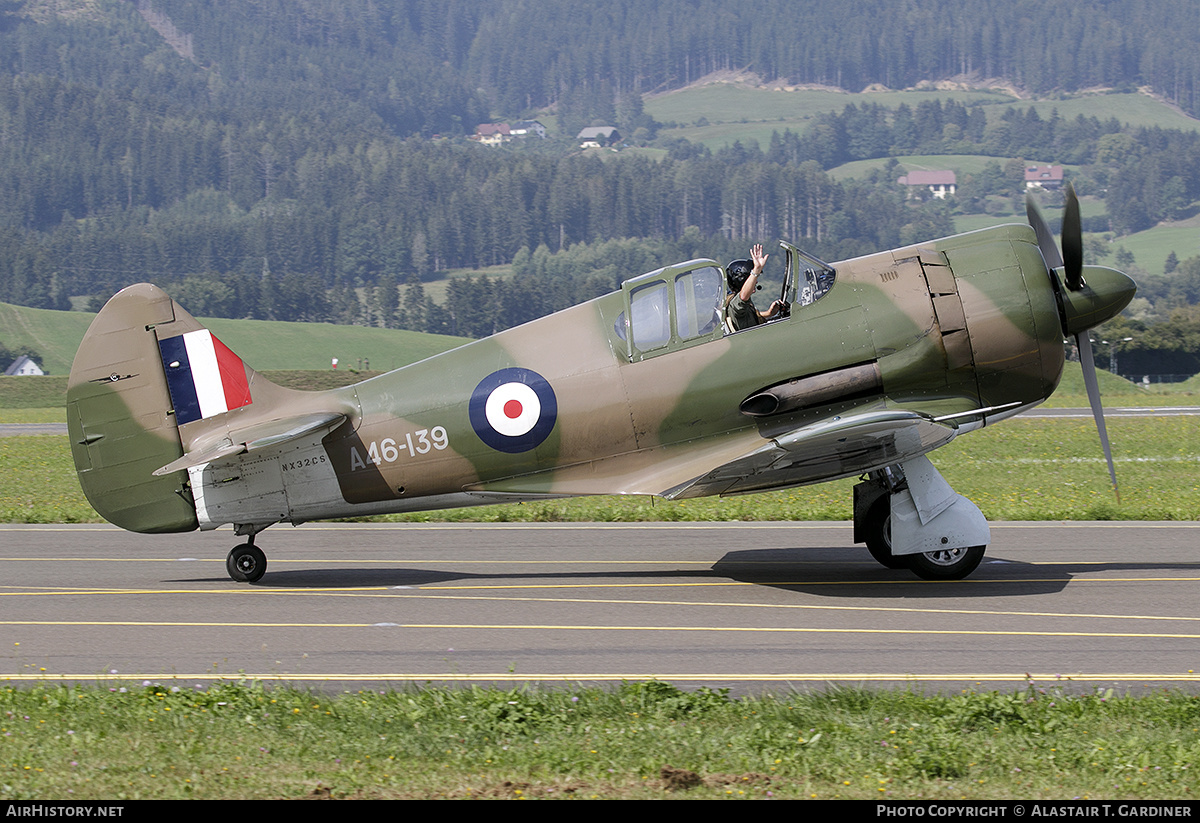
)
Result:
{"points": [[307, 159]]}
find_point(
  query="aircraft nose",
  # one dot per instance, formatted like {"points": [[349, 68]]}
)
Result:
{"points": [[1104, 293]]}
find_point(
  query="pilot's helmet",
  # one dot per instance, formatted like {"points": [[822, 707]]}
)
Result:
{"points": [[736, 274]]}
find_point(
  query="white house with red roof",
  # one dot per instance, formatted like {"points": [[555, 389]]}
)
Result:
{"points": [[941, 184], [1043, 177], [492, 134]]}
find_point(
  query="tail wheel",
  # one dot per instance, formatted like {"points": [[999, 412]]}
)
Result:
{"points": [[246, 563]]}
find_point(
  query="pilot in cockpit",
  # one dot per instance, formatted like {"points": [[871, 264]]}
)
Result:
{"points": [[741, 276]]}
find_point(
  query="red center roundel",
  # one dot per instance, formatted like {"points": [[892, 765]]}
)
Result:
{"points": [[513, 409]]}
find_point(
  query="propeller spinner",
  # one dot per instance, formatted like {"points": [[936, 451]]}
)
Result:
{"points": [[1083, 303]]}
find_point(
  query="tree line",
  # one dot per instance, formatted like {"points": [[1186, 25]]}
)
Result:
{"points": [[637, 47], [283, 205], [306, 159]]}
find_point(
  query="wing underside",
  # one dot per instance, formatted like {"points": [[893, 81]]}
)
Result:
{"points": [[841, 447], [743, 461]]}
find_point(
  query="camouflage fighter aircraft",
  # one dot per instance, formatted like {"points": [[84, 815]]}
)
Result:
{"points": [[875, 362]]}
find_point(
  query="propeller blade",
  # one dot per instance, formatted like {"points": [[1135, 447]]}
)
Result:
{"points": [[1050, 255], [1093, 392], [1045, 239], [1072, 242]]}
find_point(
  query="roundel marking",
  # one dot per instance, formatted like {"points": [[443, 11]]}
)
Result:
{"points": [[513, 410]]}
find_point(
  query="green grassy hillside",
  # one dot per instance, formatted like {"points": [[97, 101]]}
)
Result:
{"points": [[1130, 109], [733, 103], [54, 335], [437, 289], [727, 112], [959, 163], [264, 344], [1151, 247]]}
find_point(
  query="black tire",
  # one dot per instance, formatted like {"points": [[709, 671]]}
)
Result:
{"points": [[246, 563], [879, 534], [951, 564]]}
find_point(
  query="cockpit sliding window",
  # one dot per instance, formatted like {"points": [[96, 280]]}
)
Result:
{"points": [[672, 308], [683, 305]]}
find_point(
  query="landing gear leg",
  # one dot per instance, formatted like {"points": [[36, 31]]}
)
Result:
{"points": [[909, 517], [246, 563]]}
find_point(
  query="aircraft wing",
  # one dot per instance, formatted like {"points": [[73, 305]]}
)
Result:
{"points": [[840, 447]]}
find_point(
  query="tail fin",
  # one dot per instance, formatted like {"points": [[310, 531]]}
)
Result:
{"points": [[153, 393], [119, 417], [146, 368]]}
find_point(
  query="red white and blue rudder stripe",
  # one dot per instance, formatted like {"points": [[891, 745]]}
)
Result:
{"points": [[204, 376]]}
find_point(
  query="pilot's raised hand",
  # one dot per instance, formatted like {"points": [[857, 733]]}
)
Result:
{"points": [[759, 259]]}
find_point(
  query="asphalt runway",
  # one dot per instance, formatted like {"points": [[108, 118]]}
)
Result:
{"points": [[752, 606]]}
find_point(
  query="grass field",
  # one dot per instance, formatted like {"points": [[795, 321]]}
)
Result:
{"points": [[54, 335], [48, 392], [720, 114], [1021, 469], [735, 103], [42, 399], [1130, 109], [1151, 247], [958, 163], [640, 741], [732, 111]]}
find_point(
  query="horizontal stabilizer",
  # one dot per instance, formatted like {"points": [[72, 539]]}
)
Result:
{"points": [[257, 437]]}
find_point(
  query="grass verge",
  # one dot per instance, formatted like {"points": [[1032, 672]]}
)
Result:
{"points": [[641, 740], [1022, 469]]}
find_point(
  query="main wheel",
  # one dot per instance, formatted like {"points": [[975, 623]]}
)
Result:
{"points": [[246, 563], [949, 564], [879, 534]]}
